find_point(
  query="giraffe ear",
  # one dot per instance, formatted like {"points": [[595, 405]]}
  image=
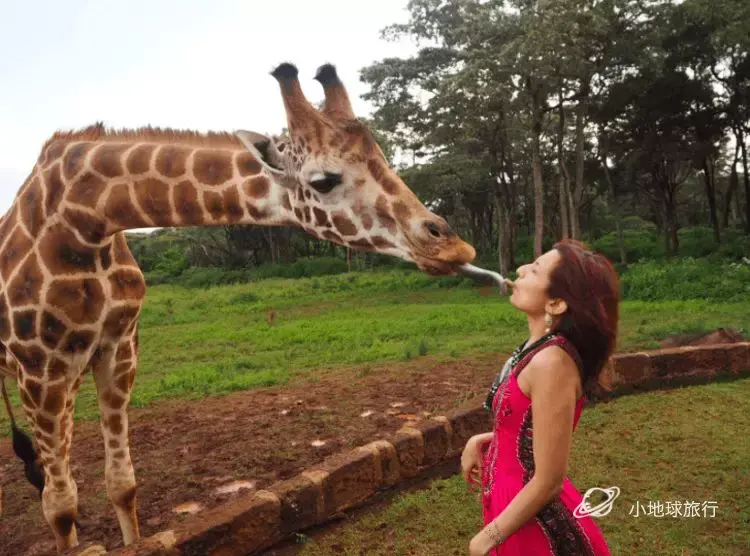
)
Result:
{"points": [[265, 150]]}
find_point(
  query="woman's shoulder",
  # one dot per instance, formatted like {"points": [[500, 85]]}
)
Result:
{"points": [[553, 356]]}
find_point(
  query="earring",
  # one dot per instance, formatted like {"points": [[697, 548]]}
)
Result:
{"points": [[547, 322]]}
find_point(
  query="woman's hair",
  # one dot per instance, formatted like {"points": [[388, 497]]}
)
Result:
{"points": [[588, 283]]}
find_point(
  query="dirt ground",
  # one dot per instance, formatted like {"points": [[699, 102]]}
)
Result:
{"points": [[183, 451]]}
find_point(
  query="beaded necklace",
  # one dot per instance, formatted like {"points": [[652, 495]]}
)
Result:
{"points": [[519, 353]]}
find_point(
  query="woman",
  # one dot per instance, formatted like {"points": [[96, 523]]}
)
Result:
{"points": [[570, 296]]}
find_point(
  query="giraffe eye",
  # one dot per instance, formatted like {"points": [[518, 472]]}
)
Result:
{"points": [[325, 182]]}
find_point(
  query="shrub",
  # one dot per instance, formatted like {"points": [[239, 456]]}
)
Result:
{"points": [[686, 279]]}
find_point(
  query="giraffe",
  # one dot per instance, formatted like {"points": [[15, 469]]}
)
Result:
{"points": [[71, 291]]}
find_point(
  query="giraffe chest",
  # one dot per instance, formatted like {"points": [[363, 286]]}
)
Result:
{"points": [[64, 301]]}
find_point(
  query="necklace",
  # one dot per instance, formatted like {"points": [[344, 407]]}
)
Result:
{"points": [[519, 353]]}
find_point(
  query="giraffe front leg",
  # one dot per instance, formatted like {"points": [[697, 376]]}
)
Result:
{"points": [[114, 375], [53, 427]]}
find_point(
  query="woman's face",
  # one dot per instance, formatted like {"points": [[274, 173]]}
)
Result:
{"points": [[530, 288]]}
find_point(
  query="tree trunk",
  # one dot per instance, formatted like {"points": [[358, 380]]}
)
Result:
{"points": [[562, 171], [505, 236], [616, 210], [670, 212], [734, 180], [670, 218], [538, 199], [741, 139], [536, 132], [708, 178], [575, 215]]}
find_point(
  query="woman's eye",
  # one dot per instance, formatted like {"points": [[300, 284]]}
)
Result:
{"points": [[323, 183]]}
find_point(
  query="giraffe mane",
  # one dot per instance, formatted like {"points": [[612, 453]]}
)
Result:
{"points": [[98, 132]]}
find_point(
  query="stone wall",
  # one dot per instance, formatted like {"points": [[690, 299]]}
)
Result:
{"points": [[257, 521]]}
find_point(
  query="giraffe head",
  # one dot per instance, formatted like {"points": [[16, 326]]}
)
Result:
{"points": [[341, 186]]}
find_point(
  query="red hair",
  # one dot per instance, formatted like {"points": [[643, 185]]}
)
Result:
{"points": [[588, 283]]}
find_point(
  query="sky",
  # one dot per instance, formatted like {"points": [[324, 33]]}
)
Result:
{"points": [[187, 64]]}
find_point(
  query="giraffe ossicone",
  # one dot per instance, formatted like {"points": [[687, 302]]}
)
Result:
{"points": [[71, 291]]}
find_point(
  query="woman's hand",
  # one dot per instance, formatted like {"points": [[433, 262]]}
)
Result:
{"points": [[480, 545], [471, 459]]}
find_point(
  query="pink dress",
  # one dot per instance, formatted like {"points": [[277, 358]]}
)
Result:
{"points": [[508, 466]]}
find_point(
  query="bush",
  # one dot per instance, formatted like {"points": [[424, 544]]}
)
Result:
{"points": [[686, 279], [639, 244], [206, 277]]}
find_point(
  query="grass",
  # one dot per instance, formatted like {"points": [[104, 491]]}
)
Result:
{"points": [[688, 444], [197, 342]]}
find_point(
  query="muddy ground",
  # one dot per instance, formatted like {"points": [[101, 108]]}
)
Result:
{"points": [[183, 451]]}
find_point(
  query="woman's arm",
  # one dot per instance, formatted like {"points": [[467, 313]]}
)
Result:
{"points": [[553, 378]]}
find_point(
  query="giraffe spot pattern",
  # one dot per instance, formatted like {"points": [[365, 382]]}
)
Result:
{"points": [[332, 236], [212, 167], [114, 424], [384, 217], [63, 253], [81, 299], [247, 164], [17, 246], [31, 357], [153, 197], [24, 324], [381, 242], [31, 207], [257, 187], [171, 161], [92, 228], [186, 203], [105, 256], [118, 321], [51, 330], [45, 424], [56, 370], [402, 212], [74, 159], [54, 399], [78, 341], [362, 243], [127, 284], [107, 160], [34, 390], [367, 221], [86, 190], [27, 283], [255, 213], [233, 208], [124, 351], [286, 202], [214, 204], [55, 189], [139, 159], [321, 217], [52, 153], [344, 225], [120, 209], [4, 319]]}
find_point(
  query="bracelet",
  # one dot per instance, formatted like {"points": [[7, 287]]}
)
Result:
{"points": [[493, 532]]}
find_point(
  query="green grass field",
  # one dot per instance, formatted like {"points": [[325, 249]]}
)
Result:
{"points": [[688, 444], [198, 342]]}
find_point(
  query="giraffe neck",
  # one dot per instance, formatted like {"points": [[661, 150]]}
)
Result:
{"points": [[103, 187]]}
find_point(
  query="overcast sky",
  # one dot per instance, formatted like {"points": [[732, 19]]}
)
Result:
{"points": [[192, 64]]}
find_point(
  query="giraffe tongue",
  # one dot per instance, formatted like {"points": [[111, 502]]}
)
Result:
{"points": [[483, 275]]}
